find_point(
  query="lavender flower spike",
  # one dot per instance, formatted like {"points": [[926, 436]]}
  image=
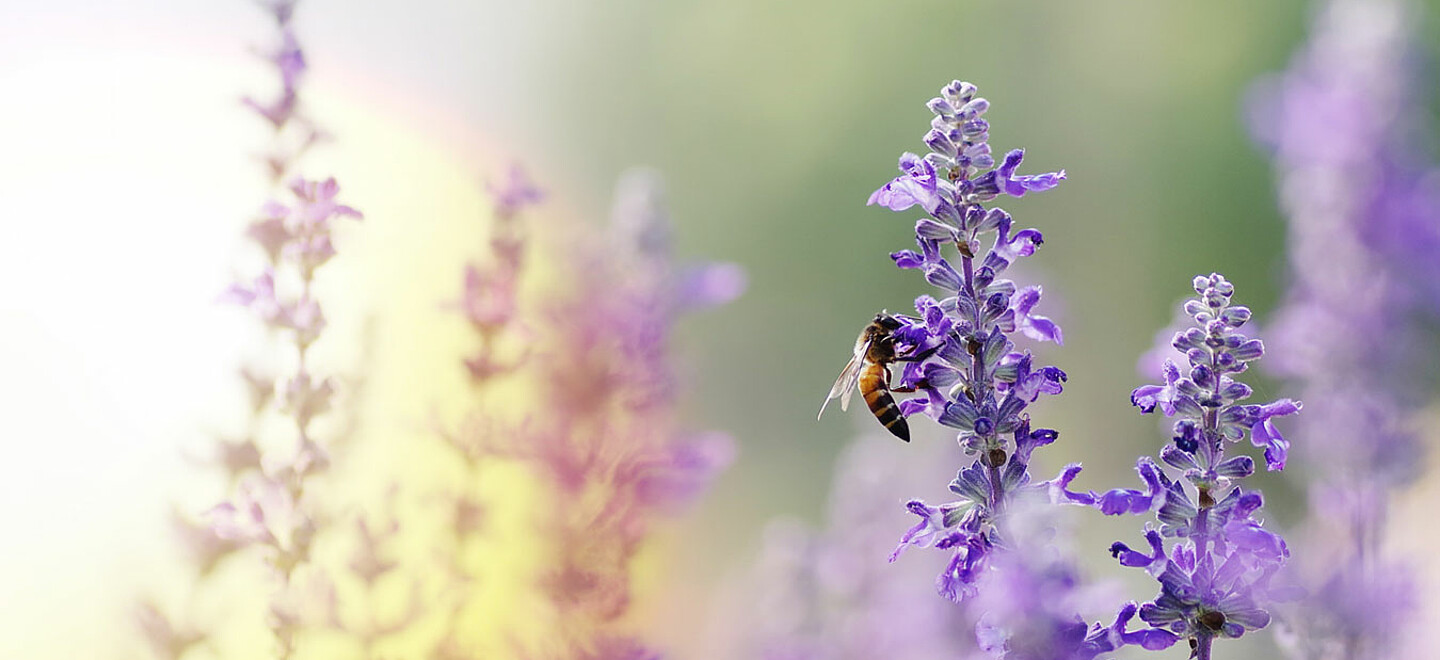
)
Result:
{"points": [[1346, 126], [1215, 576], [957, 351]]}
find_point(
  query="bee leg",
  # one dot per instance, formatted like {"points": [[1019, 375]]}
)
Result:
{"points": [[889, 377], [898, 390], [918, 356]]}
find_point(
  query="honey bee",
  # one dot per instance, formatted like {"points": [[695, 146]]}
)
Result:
{"points": [[869, 371]]}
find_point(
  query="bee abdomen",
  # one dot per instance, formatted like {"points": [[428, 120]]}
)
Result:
{"points": [[881, 403]]}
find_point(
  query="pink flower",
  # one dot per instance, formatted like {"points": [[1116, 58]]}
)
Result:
{"points": [[317, 204], [304, 398], [306, 319], [261, 512], [489, 300], [260, 298], [311, 252], [677, 474], [270, 231]]}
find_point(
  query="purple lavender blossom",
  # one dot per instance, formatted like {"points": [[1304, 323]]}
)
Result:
{"points": [[820, 594], [1215, 577], [270, 511], [1343, 125], [491, 296], [267, 510], [289, 61], [294, 133], [492, 304], [605, 436], [958, 354], [1030, 608], [517, 192]]}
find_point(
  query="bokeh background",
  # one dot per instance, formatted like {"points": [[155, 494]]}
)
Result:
{"points": [[127, 174]]}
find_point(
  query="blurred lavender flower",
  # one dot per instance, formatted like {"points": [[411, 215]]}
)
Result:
{"points": [[1030, 609], [491, 303], [1344, 125], [266, 509], [610, 439], [516, 193], [606, 443], [958, 352], [822, 595], [372, 562], [270, 511], [294, 134], [490, 300], [1215, 578]]}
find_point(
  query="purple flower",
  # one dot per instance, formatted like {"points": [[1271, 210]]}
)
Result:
{"points": [[1022, 244], [281, 10], [827, 594], [1263, 433], [1017, 186], [677, 475], [317, 204], [489, 300], [605, 437], [1146, 397], [261, 298], [271, 232], [958, 581], [1031, 602], [268, 507], [933, 521], [711, 285], [1348, 128], [277, 112], [1213, 578], [516, 193], [963, 362], [289, 60], [1154, 563], [1058, 489], [305, 398], [1126, 500], [1150, 639], [263, 512], [918, 185], [1033, 326]]}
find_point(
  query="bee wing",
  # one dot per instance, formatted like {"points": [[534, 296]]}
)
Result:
{"points": [[849, 378]]}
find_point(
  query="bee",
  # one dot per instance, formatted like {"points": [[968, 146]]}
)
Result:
{"points": [[869, 371]]}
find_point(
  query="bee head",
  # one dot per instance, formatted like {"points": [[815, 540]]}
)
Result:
{"points": [[885, 320]]}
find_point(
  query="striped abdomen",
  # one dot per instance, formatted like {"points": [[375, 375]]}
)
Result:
{"points": [[875, 387]]}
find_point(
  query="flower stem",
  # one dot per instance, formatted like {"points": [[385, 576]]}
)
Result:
{"points": [[997, 492], [1202, 648]]}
